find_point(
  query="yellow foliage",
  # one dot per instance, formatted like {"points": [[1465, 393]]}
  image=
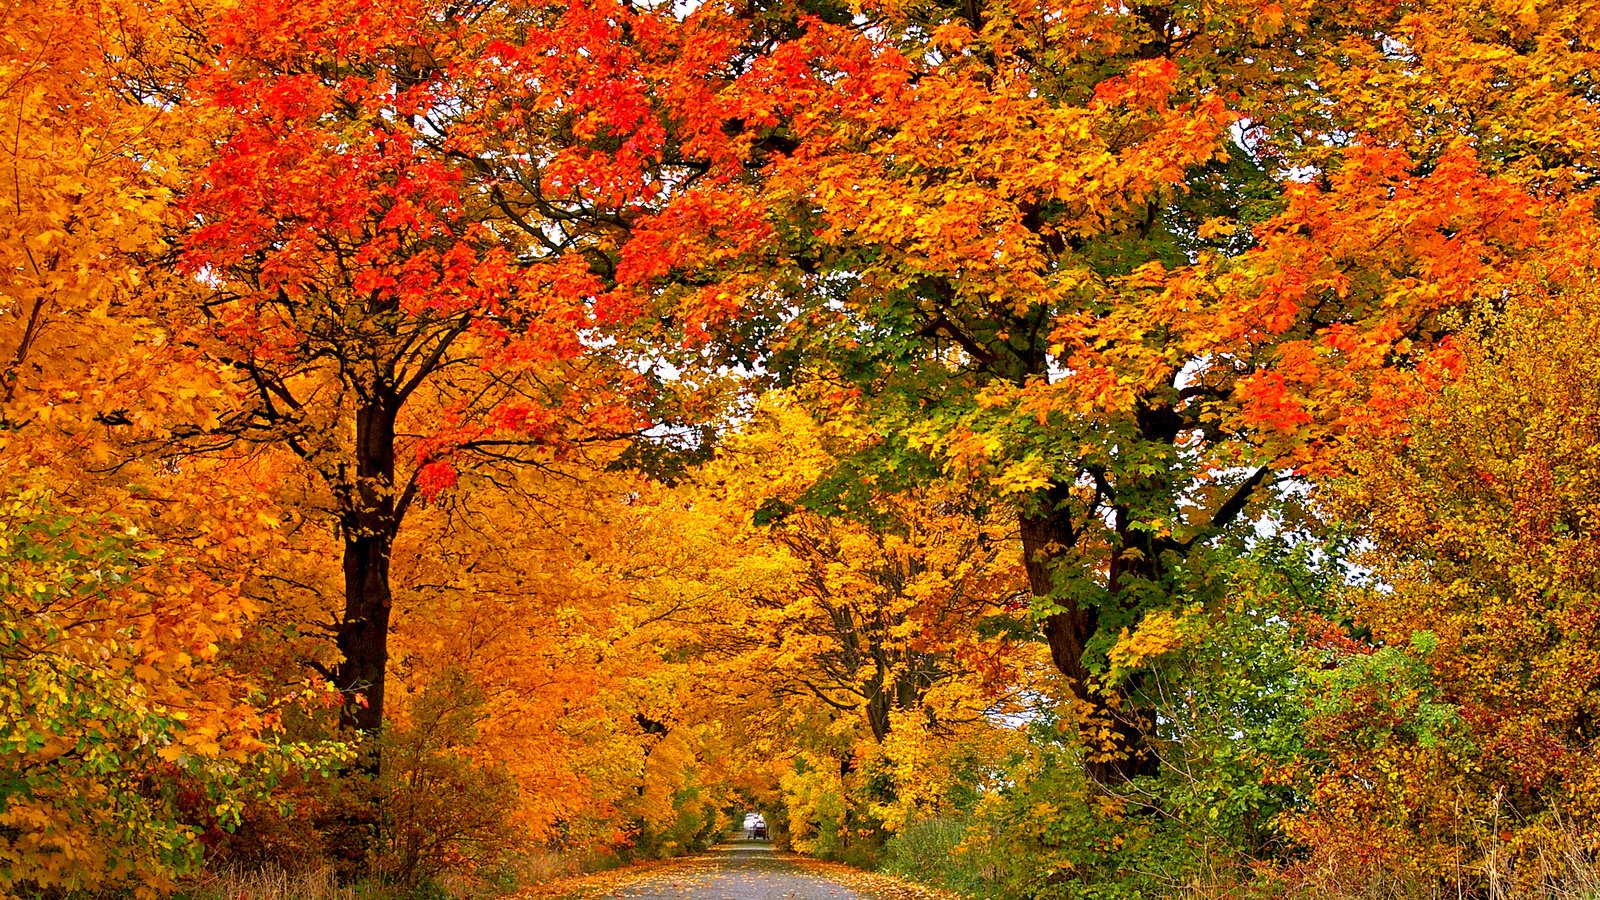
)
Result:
{"points": [[1160, 632], [1482, 512]]}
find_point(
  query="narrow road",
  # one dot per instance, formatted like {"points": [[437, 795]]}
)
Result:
{"points": [[737, 870]]}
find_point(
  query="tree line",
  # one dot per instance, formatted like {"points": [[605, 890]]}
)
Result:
{"points": [[1047, 448]]}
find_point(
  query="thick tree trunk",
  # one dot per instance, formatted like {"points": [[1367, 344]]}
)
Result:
{"points": [[1114, 727], [369, 523], [363, 636]]}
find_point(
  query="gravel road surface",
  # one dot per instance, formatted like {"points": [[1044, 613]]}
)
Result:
{"points": [[737, 870]]}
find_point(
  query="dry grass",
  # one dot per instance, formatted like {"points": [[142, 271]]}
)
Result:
{"points": [[1564, 867], [1562, 870], [271, 883], [539, 866], [319, 882]]}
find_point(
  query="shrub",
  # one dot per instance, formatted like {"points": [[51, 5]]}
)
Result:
{"points": [[927, 850], [441, 810]]}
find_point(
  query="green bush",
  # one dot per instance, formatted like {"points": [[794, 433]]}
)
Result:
{"points": [[1226, 681], [926, 850]]}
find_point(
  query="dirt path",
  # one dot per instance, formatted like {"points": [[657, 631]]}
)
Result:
{"points": [[737, 870]]}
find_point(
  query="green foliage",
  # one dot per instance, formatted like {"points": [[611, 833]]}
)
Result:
{"points": [[1227, 681], [1385, 698], [1226, 671], [832, 810], [927, 850], [114, 758], [693, 826]]}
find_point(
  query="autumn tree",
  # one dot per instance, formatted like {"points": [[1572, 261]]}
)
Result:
{"points": [[880, 607], [1130, 267], [127, 732], [874, 602], [845, 658], [408, 237], [85, 175], [532, 591]]}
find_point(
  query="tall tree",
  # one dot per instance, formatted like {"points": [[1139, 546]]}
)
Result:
{"points": [[883, 604], [1127, 265], [408, 238]]}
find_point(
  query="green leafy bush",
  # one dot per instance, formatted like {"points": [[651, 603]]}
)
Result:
{"points": [[927, 850], [1224, 676]]}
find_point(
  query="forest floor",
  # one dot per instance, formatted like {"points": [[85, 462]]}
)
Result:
{"points": [[736, 870]]}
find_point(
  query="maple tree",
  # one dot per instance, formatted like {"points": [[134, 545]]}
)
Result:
{"points": [[408, 234], [899, 612], [531, 593], [1129, 267], [531, 702], [864, 654]]}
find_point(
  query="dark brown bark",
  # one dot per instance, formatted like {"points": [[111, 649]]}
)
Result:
{"points": [[1115, 727], [369, 523], [363, 635]]}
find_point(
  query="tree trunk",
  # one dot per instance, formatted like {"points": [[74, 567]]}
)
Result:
{"points": [[363, 636], [878, 712], [1113, 727], [369, 525]]}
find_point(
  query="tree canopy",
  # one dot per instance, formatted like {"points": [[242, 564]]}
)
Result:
{"points": [[1049, 448]]}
